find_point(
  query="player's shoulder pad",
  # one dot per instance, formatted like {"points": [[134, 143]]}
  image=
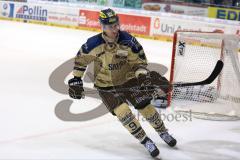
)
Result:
{"points": [[128, 40], [124, 36], [92, 43]]}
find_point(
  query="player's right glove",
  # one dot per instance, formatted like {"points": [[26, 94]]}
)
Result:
{"points": [[75, 88]]}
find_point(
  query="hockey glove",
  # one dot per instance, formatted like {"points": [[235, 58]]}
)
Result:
{"points": [[144, 81], [142, 76], [151, 79], [75, 88], [141, 71]]}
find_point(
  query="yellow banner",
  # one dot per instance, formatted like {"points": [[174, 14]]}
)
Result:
{"points": [[224, 13]]}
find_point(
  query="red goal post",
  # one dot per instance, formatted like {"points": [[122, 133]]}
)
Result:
{"points": [[194, 54]]}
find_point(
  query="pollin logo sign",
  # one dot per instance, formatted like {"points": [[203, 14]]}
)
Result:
{"points": [[32, 13], [7, 10]]}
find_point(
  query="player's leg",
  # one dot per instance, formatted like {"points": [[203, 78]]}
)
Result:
{"points": [[129, 121], [141, 101], [150, 113], [117, 105]]}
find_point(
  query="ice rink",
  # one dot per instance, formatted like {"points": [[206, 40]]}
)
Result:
{"points": [[30, 128]]}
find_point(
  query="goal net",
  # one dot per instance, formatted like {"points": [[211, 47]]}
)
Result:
{"points": [[194, 57]]}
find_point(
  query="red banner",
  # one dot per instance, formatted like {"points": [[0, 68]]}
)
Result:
{"points": [[89, 19], [135, 24], [131, 23]]}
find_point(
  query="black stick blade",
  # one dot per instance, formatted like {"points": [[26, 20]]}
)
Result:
{"points": [[217, 69]]}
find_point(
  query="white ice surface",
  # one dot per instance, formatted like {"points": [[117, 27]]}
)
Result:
{"points": [[29, 128]]}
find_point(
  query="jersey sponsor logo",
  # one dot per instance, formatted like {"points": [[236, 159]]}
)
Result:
{"points": [[116, 66], [32, 13], [121, 54], [7, 10], [120, 57]]}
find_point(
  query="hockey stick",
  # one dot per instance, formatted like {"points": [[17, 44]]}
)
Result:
{"points": [[216, 71]]}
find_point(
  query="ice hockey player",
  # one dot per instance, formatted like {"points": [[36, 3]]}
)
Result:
{"points": [[121, 76]]}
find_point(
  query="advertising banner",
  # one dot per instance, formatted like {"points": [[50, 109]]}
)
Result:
{"points": [[63, 15], [141, 23], [88, 18], [135, 24], [24, 11], [224, 13], [178, 9], [7, 9], [131, 23], [31, 12], [40, 12], [166, 26], [162, 26]]}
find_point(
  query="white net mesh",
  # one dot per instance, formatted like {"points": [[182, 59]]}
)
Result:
{"points": [[195, 56]]}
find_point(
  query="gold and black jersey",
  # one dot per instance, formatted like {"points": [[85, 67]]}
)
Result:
{"points": [[114, 63]]}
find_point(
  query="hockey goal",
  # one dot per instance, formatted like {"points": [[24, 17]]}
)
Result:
{"points": [[194, 56]]}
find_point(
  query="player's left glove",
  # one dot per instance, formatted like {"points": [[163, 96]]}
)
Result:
{"points": [[148, 80], [141, 72], [75, 88], [143, 79]]}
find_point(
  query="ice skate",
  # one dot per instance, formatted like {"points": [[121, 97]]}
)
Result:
{"points": [[168, 139], [151, 147]]}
